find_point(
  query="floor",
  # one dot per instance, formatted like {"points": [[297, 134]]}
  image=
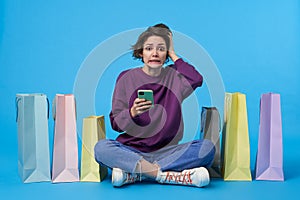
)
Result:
{"points": [[12, 188]]}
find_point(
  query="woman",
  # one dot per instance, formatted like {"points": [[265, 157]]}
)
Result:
{"points": [[148, 146]]}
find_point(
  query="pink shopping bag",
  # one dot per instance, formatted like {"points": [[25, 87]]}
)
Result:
{"points": [[269, 161], [65, 148]]}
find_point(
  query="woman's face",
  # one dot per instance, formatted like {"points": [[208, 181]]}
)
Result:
{"points": [[154, 52]]}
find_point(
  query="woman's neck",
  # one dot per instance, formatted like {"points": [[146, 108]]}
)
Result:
{"points": [[152, 71]]}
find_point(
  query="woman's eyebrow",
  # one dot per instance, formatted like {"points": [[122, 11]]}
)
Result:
{"points": [[160, 44]]}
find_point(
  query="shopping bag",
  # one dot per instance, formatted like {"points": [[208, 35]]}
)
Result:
{"points": [[236, 164], [210, 129], [93, 130], [65, 149], [33, 138], [269, 158]]}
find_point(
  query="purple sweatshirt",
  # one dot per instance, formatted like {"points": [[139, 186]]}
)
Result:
{"points": [[162, 125]]}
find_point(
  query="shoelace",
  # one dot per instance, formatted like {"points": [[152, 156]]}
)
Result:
{"points": [[183, 178], [132, 177]]}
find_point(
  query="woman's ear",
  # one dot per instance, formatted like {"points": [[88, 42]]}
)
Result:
{"points": [[167, 57]]}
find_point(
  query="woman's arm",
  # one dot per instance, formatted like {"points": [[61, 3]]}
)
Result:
{"points": [[189, 72], [194, 78], [120, 117], [126, 114]]}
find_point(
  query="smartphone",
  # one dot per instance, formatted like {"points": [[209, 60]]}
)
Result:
{"points": [[146, 94]]}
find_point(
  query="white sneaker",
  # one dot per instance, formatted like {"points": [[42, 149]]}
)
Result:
{"points": [[119, 177], [198, 177]]}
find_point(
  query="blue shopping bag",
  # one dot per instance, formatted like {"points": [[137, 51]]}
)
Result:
{"points": [[210, 130], [33, 138]]}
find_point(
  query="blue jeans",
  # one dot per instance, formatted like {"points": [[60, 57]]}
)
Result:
{"points": [[197, 153]]}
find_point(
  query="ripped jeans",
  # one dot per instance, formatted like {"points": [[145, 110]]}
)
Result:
{"points": [[197, 153]]}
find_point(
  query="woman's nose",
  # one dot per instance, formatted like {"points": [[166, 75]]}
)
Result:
{"points": [[154, 53]]}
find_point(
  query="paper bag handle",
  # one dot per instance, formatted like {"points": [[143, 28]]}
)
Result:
{"points": [[17, 107]]}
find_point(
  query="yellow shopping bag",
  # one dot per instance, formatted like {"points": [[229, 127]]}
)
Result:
{"points": [[93, 130], [236, 166]]}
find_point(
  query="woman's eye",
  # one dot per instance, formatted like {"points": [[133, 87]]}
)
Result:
{"points": [[148, 48], [161, 48]]}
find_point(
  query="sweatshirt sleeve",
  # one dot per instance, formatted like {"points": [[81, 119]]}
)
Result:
{"points": [[192, 78], [120, 117]]}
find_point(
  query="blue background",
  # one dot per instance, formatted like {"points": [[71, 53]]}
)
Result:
{"points": [[255, 44]]}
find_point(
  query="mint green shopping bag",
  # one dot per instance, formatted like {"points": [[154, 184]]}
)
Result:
{"points": [[33, 138]]}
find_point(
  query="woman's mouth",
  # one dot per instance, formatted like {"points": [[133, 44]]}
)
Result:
{"points": [[154, 61]]}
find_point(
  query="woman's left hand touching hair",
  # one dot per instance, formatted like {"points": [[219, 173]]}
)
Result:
{"points": [[171, 51]]}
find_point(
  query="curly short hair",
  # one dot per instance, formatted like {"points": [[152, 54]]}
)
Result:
{"points": [[160, 30]]}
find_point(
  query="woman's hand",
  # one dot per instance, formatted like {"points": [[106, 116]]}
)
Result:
{"points": [[171, 51], [140, 106]]}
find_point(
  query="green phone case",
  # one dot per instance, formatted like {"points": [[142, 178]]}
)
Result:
{"points": [[146, 94]]}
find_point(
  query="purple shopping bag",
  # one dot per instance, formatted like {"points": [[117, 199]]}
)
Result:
{"points": [[269, 160]]}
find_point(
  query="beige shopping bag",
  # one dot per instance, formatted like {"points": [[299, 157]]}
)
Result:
{"points": [[93, 130], [236, 164]]}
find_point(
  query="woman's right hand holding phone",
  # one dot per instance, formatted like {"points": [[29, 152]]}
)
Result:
{"points": [[140, 106]]}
